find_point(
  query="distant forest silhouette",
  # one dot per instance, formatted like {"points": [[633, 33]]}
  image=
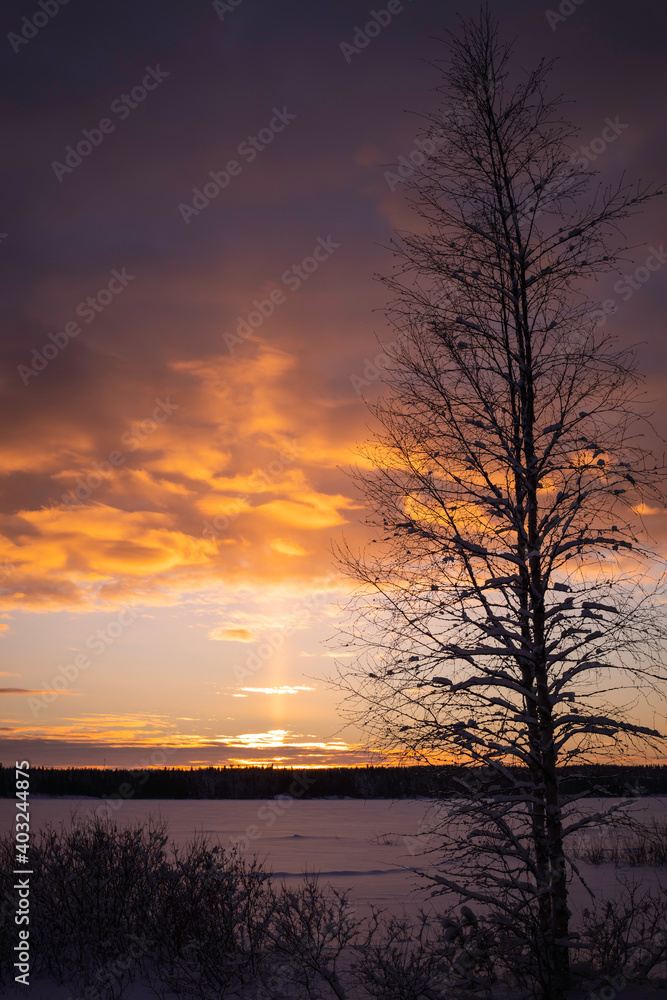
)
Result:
{"points": [[259, 782]]}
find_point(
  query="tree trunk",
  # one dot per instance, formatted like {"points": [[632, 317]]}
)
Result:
{"points": [[559, 957]]}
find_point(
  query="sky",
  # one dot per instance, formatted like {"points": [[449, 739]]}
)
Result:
{"points": [[196, 200]]}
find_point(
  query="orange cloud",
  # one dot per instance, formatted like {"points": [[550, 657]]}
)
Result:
{"points": [[309, 510], [33, 690], [279, 738], [287, 548], [285, 689], [194, 504], [232, 634]]}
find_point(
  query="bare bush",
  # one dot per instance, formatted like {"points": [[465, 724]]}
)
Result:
{"points": [[644, 844], [113, 907], [209, 922], [313, 934], [627, 936], [92, 887]]}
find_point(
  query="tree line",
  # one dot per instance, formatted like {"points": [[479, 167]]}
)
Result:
{"points": [[371, 782]]}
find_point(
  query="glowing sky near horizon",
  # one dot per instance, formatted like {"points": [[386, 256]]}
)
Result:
{"points": [[173, 477]]}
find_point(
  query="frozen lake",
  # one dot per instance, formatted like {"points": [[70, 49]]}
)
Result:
{"points": [[368, 846]]}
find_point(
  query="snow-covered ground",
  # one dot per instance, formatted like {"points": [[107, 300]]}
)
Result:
{"points": [[366, 846]]}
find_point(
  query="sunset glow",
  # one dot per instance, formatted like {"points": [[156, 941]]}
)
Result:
{"points": [[174, 477]]}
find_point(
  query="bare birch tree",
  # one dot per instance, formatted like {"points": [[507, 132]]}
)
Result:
{"points": [[507, 615]]}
